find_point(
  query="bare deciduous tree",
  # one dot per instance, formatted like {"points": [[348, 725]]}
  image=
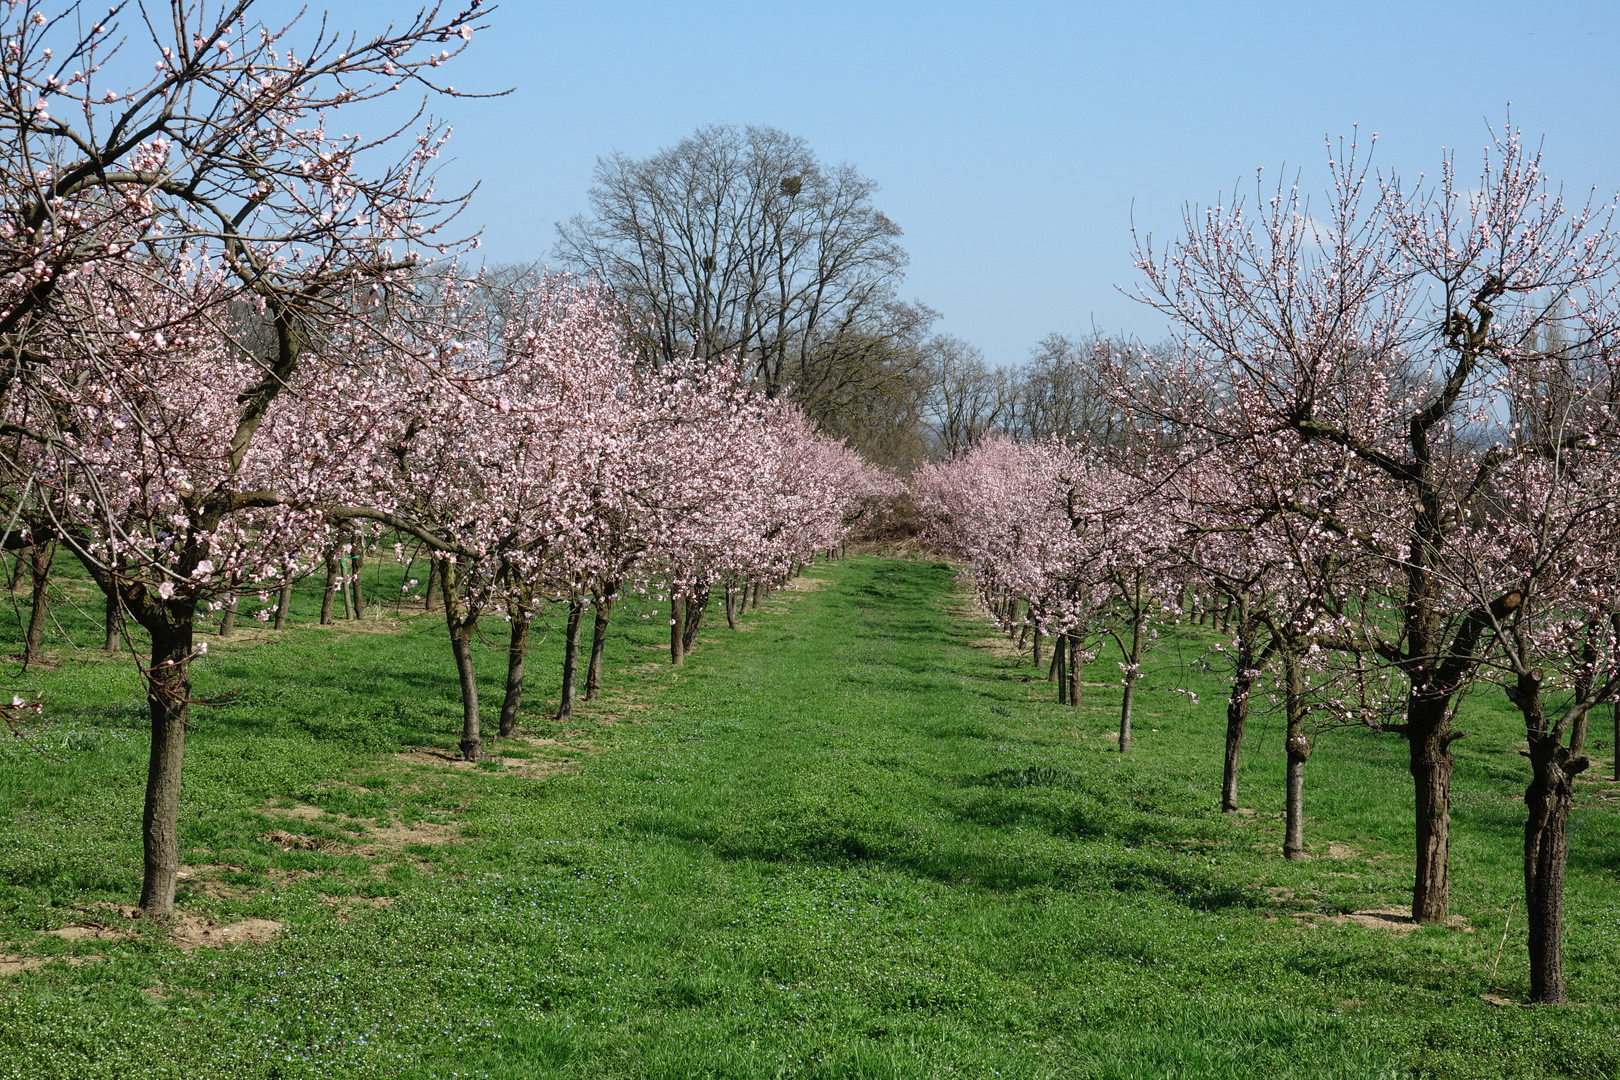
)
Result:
{"points": [[737, 242]]}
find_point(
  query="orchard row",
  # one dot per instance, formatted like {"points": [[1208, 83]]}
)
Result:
{"points": [[236, 342], [1387, 431]]}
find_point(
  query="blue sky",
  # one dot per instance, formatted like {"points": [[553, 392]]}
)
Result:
{"points": [[1012, 141]]}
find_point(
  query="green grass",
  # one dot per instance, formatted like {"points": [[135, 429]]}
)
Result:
{"points": [[852, 840]]}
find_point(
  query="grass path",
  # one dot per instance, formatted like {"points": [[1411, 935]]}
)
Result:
{"points": [[852, 840]]}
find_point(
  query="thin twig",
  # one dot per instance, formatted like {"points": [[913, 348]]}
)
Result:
{"points": [[1503, 943]]}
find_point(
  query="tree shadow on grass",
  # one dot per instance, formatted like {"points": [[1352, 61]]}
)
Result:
{"points": [[835, 838]]}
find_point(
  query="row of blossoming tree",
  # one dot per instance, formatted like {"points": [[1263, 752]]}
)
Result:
{"points": [[226, 347], [1387, 429]]}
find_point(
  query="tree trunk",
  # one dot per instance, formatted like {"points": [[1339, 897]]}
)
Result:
{"points": [[1431, 764], [677, 619], [461, 622], [355, 567], [114, 621], [1035, 644], [757, 587], [472, 746], [731, 607], [168, 695], [1125, 707], [1060, 669], [430, 596], [1547, 804], [593, 674], [283, 602], [39, 567], [1133, 671], [695, 607], [570, 679], [343, 588], [330, 593], [1076, 668], [1237, 705], [227, 617], [1299, 751], [517, 651]]}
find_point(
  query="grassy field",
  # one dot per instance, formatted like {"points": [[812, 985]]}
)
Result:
{"points": [[857, 838]]}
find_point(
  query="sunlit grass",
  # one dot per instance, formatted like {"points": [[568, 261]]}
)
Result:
{"points": [[852, 840]]}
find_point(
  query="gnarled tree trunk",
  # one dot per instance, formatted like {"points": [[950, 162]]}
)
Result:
{"points": [[1299, 751], [1076, 667], [227, 618], [604, 612], [570, 679], [430, 595], [358, 564], [113, 621], [168, 695], [517, 652], [677, 620], [330, 593], [462, 619], [1249, 665], [1430, 762], [283, 602], [40, 557], [1060, 668], [696, 605], [1547, 803]]}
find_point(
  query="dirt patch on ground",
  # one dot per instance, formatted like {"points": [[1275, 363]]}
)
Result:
{"points": [[433, 757], [1337, 850], [203, 932], [367, 625], [187, 932], [12, 964], [367, 838], [90, 932], [1390, 918]]}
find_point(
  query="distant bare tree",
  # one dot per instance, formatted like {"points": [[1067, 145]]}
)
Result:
{"points": [[1058, 390], [738, 242], [967, 397]]}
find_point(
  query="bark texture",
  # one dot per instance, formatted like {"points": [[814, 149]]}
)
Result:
{"points": [[168, 695], [1299, 751], [517, 652], [283, 605], [696, 605], [677, 628], [593, 674], [570, 679], [40, 557], [461, 619], [329, 595]]}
